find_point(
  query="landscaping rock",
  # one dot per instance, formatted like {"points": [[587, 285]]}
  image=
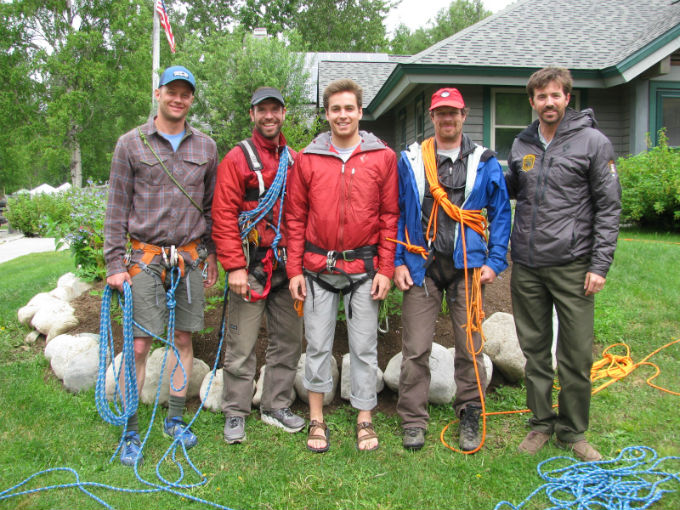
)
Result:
{"points": [[72, 286], [153, 368], [212, 400], [502, 346], [442, 387], [32, 337], [26, 313], [302, 391], [82, 370], [54, 318], [257, 398], [346, 381], [488, 366], [63, 348], [153, 372]]}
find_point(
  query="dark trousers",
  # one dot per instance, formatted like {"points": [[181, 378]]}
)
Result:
{"points": [[534, 292], [420, 309], [284, 328]]}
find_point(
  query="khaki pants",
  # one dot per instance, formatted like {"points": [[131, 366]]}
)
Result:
{"points": [[420, 308], [534, 291], [284, 329]]}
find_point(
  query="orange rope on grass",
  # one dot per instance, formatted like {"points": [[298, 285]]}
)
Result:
{"points": [[611, 366]]}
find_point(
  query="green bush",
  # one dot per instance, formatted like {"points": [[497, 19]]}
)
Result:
{"points": [[74, 218], [27, 213], [650, 183]]}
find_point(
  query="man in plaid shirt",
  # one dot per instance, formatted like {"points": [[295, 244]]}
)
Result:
{"points": [[160, 195]]}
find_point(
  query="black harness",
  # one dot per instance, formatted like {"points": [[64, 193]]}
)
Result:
{"points": [[365, 253]]}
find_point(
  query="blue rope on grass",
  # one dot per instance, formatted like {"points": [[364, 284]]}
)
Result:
{"points": [[277, 191], [631, 480], [123, 408]]}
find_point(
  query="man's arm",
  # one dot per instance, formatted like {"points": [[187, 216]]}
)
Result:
{"points": [[389, 216], [605, 191], [500, 217], [295, 216], [119, 202]]}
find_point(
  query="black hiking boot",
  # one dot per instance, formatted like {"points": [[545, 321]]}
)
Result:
{"points": [[469, 428]]}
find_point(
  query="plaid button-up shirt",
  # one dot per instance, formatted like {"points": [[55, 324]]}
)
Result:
{"points": [[146, 205]]}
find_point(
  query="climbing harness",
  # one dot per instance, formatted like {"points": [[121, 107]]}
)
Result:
{"points": [[170, 256], [365, 253], [632, 480], [248, 220], [123, 408]]}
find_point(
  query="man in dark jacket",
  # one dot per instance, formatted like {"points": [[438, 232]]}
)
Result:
{"points": [[251, 242], [561, 171], [341, 210]]}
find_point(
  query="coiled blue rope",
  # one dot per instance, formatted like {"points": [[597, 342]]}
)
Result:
{"points": [[631, 480], [123, 410], [277, 191]]}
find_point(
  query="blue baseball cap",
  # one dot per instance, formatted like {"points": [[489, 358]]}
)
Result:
{"points": [[177, 73]]}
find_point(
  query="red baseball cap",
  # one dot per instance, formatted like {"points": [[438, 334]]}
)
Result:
{"points": [[447, 97]]}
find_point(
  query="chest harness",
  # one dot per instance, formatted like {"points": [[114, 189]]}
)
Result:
{"points": [[248, 220], [170, 256]]}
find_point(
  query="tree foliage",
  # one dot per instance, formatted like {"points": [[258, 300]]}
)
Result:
{"points": [[459, 15], [229, 68]]}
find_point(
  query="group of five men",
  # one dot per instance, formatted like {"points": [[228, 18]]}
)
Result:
{"points": [[345, 217]]}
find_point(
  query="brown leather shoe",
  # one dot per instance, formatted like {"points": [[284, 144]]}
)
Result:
{"points": [[581, 449], [534, 441]]}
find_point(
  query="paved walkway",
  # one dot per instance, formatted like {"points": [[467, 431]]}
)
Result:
{"points": [[16, 245]]}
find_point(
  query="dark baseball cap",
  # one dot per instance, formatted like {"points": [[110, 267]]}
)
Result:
{"points": [[177, 73], [266, 93]]}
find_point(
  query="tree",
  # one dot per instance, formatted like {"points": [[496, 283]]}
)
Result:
{"points": [[86, 63], [459, 15], [321, 25], [229, 68]]}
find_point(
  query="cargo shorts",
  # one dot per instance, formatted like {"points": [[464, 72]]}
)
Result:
{"points": [[150, 302]]}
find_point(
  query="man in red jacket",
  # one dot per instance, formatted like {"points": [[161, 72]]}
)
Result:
{"points": [[251, 246], [343, 206]]}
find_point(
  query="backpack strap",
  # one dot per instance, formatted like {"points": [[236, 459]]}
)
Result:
{"points": [[255, 165]]}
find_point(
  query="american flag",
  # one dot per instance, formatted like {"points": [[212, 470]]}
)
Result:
{"points": [[165, 23]]}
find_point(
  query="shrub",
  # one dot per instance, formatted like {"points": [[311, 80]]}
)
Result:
{"points": [[83, 230], [27, 213], [650, 183]]}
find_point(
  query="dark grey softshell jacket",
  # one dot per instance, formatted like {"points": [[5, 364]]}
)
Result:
{"points": [[568, 196]]}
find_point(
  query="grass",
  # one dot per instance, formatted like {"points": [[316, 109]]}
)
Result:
{"points": [[43, 426]]}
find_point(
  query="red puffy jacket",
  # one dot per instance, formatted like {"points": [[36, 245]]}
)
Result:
{"points": [[342, 206], [234, 178]]}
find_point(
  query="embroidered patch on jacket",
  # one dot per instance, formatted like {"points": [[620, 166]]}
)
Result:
{"points": [[612, 168], [528, 162]]}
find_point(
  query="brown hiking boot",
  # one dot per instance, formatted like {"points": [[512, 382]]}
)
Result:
{"points": [[582, 449], [534, 441]]}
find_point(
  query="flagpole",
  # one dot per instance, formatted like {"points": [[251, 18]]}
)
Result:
{"points": [[156, 59]]}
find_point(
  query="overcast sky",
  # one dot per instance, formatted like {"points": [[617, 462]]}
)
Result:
{"points": [[416, 13]]}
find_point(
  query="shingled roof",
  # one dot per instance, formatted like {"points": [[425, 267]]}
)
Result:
{"points": [[369, 74], [578, 34]]}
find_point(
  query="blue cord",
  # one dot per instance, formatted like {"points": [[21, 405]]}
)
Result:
{"points": [[123, 408], [631, 480], [277, 191]]}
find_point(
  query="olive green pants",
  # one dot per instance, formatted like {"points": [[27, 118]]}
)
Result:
{"points": [[534, 292]]}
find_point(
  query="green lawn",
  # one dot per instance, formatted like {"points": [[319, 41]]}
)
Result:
{"points": [[43, 426]]}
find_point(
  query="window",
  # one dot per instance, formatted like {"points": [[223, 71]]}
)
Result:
{"points": [[666, 114], [420, 118], [510, 114], [401, 126]]}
